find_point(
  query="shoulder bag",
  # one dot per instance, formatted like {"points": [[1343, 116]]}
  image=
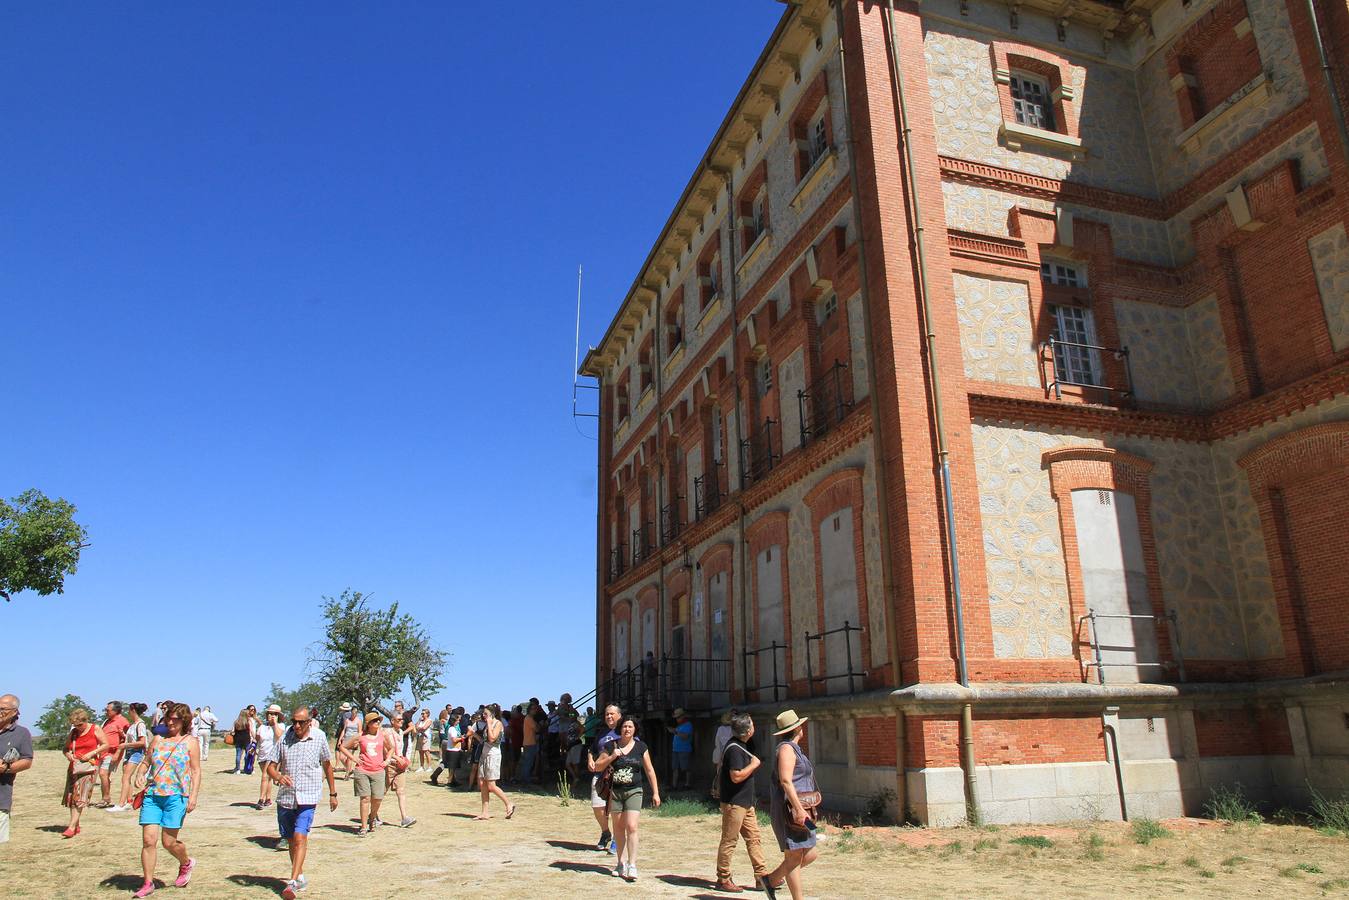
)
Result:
{"points": [[139, 800]]}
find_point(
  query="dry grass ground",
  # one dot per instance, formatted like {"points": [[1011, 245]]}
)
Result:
{"points": [[545, 851]]}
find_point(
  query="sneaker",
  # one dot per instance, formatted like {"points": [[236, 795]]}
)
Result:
{"points": [[289, 891], [116, 807], [632, 872], [378, 820], [605, 838], [611, 848], [621, 870], [185, 873], [146, 890], [407, 822]]}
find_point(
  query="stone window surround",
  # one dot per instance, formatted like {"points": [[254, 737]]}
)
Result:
{"points": [[754, 188], [619, 611], [833, 493], [1103, 468], [1296, 456], [812, 98], [1054, 69], [769, 530], [647, 599], [709, 257]]}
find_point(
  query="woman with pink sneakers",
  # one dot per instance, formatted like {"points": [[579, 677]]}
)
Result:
{"points": [[171, 774]]}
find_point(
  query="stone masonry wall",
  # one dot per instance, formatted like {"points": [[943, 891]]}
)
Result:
{"points": [[1330, 257], [996, 337]]}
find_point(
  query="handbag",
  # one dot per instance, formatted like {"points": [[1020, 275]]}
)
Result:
{"points": [[229, 738], [81, 767], [605, 788]]}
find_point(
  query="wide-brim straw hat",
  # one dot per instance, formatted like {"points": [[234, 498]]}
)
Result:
{"points": [[274, 709], [679, 712], [372, 717], [345, 707], [788, 722]]}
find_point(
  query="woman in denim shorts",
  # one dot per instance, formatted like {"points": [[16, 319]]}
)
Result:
{"points": [[171, 772], [630, 764]]}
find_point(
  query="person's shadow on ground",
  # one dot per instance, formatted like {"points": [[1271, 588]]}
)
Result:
{"points": [[685, 881], [593, 868], [52, 829], [266, 841], [346, 829], [127, 882], [570, 845], [275, 885]]}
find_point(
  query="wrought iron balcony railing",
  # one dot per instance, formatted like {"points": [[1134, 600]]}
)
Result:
{"points": [[670, 526], [1074, 364], [708, 491], [759, 452], [643, 542], [824, 404], [618, 561]]}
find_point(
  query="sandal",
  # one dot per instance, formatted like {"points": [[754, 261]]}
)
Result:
{"points": [[511, 812]]}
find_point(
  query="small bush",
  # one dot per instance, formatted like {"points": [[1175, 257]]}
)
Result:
{"points": [[1233, 860], [1309, 868], [1332, 815], [1038, 841], [952, 848], [986, 844], [1285, 816], [563, 788], [1207, 873], [1145, 831], [1335, 884], [1230, 804], [1191, 861], [878, 804]]}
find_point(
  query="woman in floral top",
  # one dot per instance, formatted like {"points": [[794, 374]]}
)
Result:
{"points": [[173, 769]]}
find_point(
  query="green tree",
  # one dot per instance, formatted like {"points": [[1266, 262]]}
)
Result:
{"points": [[40, 544], [307, 694], [368, 654], [53, 726]]}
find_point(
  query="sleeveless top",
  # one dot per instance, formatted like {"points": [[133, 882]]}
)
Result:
{"points": [[372, 753], [803, 774], [351, 726], [168, 768], [83, 744], [487, 741]]}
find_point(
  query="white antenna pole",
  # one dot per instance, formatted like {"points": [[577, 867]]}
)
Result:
{"points": [[576, 348]]}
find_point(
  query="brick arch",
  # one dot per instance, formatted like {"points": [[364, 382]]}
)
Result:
{"points": [[718, 558], [1105, 469], [834, 492], [1299, 490], [648, 598], [769, 530]]}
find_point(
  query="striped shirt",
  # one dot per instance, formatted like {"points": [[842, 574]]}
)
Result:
{"points": [[302, 759]]}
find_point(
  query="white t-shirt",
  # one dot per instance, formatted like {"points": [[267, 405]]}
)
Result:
{"points": [[723, 738]]}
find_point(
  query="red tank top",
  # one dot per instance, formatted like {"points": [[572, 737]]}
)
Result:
{"points": [[83, 744]]}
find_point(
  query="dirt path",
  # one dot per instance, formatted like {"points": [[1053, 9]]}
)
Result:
{"points": [[546, 851]]}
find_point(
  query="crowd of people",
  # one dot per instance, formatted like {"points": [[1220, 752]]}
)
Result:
{"points": [[161, 756]]}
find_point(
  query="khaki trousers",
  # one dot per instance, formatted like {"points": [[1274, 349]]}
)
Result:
{"points": [[738, 822]]}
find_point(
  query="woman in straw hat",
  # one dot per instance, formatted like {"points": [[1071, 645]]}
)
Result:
{"points": [[794, 798]]}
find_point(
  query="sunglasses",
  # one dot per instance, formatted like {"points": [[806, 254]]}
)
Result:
{"points": [[299, 721]]}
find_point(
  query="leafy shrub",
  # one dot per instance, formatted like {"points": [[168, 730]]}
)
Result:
{"points": [[1038, 841], [1146, 831], [1330, 814], [1230, 804]]}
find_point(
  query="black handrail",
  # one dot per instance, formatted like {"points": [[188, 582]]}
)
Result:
{"points": [[825, 402], [846, 628], [772, 649], [672, 682], [757, 456], [1057, 384], [707, 492], [618, 561], [670, 526], [643, 542]]}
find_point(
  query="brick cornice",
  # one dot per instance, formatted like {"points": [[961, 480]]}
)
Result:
{"points": [[1059, 190]]}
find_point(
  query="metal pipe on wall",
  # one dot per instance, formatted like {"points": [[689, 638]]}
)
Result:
{"points": [[1335, 106], [877, 435], [934, 370]]}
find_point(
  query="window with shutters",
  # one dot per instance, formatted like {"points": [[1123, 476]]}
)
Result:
{"points": [[1030, 101]]}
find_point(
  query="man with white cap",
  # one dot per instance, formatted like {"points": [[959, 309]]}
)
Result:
{"points": [[348, 727]]}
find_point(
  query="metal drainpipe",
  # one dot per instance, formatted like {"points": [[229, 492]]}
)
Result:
{"points": [[1329, 76], [943, 452], [735, 387], [659, 376], [877, 438]]}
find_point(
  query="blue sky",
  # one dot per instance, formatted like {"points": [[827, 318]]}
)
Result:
{"points": [[288, 303]]}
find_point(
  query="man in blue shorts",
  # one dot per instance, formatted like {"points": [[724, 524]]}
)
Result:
{"points": [[300, 763]]}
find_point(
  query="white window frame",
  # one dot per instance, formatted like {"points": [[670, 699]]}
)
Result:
{"points": [[714, 275], [1075, 364], [829, 308], [758, 219], [716, 438], [817, 138], [1031, 101], [765, 376], [1063, 273]]}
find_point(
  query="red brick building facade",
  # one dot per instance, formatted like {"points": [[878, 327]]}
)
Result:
{"points": [[986, 394]]}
